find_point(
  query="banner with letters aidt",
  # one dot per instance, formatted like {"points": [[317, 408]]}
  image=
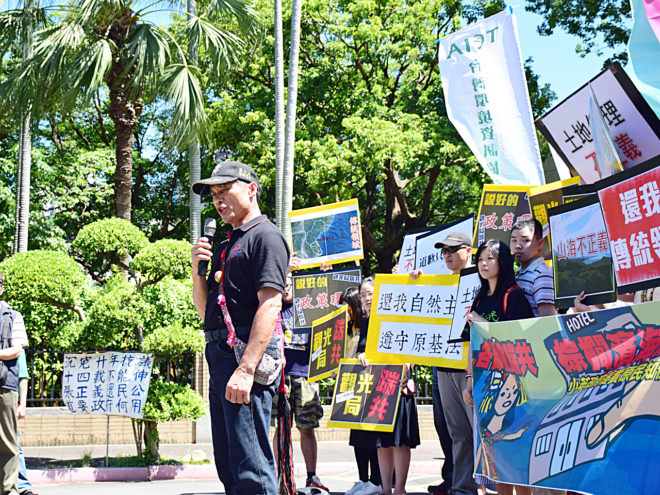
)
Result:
{"points": [[570, 402], [487, 99]]}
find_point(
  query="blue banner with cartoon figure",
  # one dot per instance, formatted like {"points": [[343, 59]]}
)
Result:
{"points": [[570, 402]]}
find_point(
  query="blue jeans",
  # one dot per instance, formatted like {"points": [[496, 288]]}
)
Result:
{"points": [[243, 454], [443, 432], [23, 481]]}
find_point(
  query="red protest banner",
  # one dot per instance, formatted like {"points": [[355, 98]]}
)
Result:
{"points": [[631, 208]]}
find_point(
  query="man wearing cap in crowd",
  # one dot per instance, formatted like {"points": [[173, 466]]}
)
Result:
{"points": [[456, 250], [240, 302]]}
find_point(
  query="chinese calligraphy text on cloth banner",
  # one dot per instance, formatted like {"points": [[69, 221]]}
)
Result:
{"points": [[500, 207], [366, 398], [633, 126], [113, 383], [582, 260], [327, 234], [487, 99], [541, 198], [631, 207], [328, 344], [407, 255], [572, 401], [411, 319], [317, 294], [428, 257]]}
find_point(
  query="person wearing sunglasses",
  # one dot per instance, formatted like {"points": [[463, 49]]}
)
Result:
{"points": [[452, 418]]}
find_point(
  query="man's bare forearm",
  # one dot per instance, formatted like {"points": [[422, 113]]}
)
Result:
{"points": [[10, 353], [263, 326], [200, 294]]}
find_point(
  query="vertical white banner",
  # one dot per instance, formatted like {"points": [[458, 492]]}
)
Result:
{"points": [[486, 95]]}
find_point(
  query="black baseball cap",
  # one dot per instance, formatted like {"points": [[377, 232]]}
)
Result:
{"points": [[224, 172], [454, 239]]}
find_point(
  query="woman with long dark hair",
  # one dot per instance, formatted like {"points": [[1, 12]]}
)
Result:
{"points": [[499, 299], [363, 442]]}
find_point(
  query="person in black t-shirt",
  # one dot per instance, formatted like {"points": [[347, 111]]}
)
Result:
{"points": [[500, 299], [248, 277]]}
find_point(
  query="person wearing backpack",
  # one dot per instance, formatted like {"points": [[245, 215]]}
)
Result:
{"points": [[500, 299], [14, 339]]}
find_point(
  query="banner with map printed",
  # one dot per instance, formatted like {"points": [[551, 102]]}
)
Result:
{"points": [[327, 234], [428, 257], [570, 402], [407, 255], [582, 260], [113, 383], [541, 198], [317, 294], [500, 207], [328, 344], [366, 397], [411, 319], [631, 207]]}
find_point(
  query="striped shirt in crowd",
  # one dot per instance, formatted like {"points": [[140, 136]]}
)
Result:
{"points": [[537, 283]]}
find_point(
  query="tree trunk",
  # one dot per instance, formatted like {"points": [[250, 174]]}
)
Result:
{"points": [[21, 227], [279, 113], [291, 101], [125, 116], [151, 441], [194, 164]]}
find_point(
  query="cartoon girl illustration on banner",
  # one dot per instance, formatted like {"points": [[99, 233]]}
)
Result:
{"points": [[497, 410]]}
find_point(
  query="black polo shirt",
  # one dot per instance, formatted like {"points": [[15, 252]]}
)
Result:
{"points": [[257, 256]]}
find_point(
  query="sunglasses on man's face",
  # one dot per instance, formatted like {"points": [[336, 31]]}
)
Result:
{"points": [[451, 249]]}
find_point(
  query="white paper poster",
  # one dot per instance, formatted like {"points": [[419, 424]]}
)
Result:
{"points": [[486, 95], [428, 257], [113, 383]]}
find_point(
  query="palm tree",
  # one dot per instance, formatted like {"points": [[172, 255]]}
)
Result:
{"points": [[109, 43], [279, 113], [291, 101], [194, 164], [20, 26]]}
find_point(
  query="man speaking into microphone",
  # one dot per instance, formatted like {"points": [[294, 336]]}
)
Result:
{"points": [[239, 302]]}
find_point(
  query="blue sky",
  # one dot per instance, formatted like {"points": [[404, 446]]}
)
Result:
{"points": [[555, 59]]}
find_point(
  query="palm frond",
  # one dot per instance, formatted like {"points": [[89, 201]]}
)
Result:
{"points": [[14, 23], [89, 70], [182, 89], [145, 55], [241, 11], [221, 45]]}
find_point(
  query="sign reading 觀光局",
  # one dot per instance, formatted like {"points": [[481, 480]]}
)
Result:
{"points": [[114, 383], [487, 100]]}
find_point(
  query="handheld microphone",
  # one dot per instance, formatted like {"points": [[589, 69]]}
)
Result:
{"points": [[209, 232]]}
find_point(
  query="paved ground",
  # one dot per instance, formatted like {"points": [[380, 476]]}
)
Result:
{"points": [[337, 483], [40, 457], [425, 469]]}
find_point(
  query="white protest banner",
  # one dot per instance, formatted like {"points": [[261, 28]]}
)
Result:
{"points": [[468, 288], [114, 383], [411, 319], [428, 257], [634, 127], [407, 256], [487, 100]]}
